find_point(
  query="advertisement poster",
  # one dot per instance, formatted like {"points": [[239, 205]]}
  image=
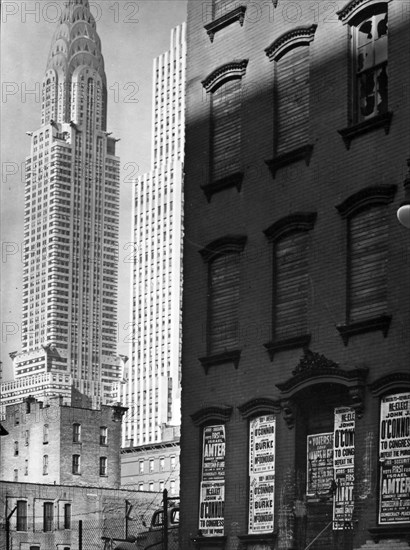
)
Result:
{"points": [[343, 502], [262, 444], [261, 503], [319, 464], [343, 462], [343, 440], [213, 465], [211, 508], [395, 459]]}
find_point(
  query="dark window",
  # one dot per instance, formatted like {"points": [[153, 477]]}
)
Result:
{"points": [[21, 515], [67, 516], [76, 464], [370, 62], [291, 285], [45, 465], [103, 435], [103, 466], [45, 433], [226, 129], [223, 303], [16, 448], [48, 511], [368, 256]]}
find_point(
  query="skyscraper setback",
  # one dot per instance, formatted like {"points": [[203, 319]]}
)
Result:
{"points": [[71, 226], [152, 386]]}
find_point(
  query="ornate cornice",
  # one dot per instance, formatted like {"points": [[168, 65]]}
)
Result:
{"points": [[235, 69], [351, 9], [214, 413], [399, 381], [301, 36], [299, 221], [230, 243], [377, 194], [258, 406]]}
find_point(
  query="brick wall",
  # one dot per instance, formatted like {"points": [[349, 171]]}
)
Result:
{"points": [[334, 174]]}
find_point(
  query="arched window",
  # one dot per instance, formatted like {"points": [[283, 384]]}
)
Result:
{"points": [[223, 258], [291, 55], [290, 238], [367, 220], [76, 433], [224, 87]]}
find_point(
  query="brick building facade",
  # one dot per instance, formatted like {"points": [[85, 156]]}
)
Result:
{"points": [[49, 516], [61, 444], [295, 380], [155, 466]]}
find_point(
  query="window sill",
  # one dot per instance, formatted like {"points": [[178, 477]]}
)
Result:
{"points": [[210, 542], [289, 343], [301, 153], [238, 14], [220, 359], [233, 180], [266, 539], [390, 532], [356, 130], [361, 327]]}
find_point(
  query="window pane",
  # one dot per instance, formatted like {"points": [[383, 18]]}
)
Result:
{"points": [[21, 515]]}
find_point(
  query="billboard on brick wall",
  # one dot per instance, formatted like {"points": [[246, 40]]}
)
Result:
{"points": [[262, 436], [212, 489], [343, 462], [394, 453]]}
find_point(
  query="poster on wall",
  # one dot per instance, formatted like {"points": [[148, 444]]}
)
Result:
{"points": [[261, 503], [262, 431], [211, 508], [319, 464], [262, 436], [212, 489], [394, 452], [213, 453], [343, 463]]}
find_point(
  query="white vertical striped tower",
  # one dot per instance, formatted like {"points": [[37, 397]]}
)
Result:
{"points": [[151, 390]]}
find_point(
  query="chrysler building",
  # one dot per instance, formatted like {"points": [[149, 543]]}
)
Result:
{"points": [[71, 224]]}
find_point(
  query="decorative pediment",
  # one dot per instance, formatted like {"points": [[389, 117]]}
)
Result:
{"points": [[258, 406], [314, 369], [301, 36], [394, 381], [214, 413], [235, 69]]}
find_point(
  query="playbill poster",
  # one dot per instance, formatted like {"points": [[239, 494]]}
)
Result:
{"points": [[319, 464], [343, 461], [212, 490], [394, 452], [262, 435]]}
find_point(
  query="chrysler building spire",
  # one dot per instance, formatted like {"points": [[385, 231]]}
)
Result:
{"points": [[75, 64]]}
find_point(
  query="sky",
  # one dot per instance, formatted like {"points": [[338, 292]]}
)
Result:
{"points": [[132, 33]]}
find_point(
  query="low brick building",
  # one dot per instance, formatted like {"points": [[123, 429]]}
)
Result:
{"points": [[64, 517], [296, 310], [61, 444]]}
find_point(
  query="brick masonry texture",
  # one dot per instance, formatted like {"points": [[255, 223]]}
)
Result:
{"points": [[334, 174]]}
